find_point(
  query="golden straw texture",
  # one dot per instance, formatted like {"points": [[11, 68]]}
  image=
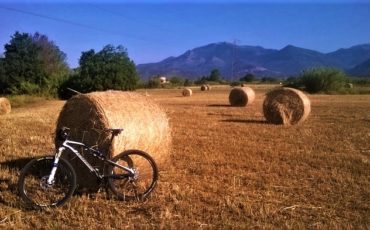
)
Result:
{"points": [[286, 106], [203, 88], [5, 107], [145, 124], [187, 92], [241, 96]]}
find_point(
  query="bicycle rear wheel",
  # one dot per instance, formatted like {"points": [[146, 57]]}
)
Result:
{"points": [[135, 186], [33, 186]]}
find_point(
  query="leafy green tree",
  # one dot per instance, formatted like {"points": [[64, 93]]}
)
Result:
{"points": [[3, 79], [248, 78], [154, 82], [177, 81], [201, 80], [187, 82], [215, 75], [110, 68], [21, 63], [269, 80], [27, 64], [53, 61]]}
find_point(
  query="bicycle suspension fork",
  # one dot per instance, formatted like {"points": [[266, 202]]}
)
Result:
{"points": [[55, 165]]}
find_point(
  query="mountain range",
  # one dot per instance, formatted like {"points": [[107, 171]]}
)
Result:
{"points": [[234, 61]]}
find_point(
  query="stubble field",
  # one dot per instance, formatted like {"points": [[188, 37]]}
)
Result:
{"points": [[229, 168]]}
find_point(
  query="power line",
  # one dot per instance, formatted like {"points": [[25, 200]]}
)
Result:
{"points": [[129, 18], [75, 23]]}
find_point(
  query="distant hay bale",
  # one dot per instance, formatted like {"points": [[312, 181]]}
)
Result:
{"points": [[349, 85], [5, 106], [145, 125], [208, 87], [241, 96], [203, 87], [162, 80], [187, 92], [286, 106]]}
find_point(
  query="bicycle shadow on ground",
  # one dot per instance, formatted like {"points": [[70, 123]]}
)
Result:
{"points": [[245, 121], [16, 163], [8, 185]]}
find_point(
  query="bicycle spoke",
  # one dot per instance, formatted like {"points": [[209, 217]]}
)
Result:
{"points": [[34, 188], [141, 183]]}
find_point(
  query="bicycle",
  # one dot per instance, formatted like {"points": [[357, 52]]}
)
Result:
{"points": [[50, 181]]}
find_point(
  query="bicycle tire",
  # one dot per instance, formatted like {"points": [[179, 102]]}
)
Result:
{"points": [[136, 187], [32, 183]]}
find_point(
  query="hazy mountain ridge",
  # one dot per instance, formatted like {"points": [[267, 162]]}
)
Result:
{"points": [[234, 61], [361, 70]]}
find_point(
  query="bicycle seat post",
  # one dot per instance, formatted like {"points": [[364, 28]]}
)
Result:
{"points": [[114, 133]]}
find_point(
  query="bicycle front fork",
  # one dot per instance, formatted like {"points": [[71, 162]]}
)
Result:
{"points": [[50, 180]]}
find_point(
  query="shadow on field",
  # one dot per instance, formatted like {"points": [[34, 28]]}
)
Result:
{"points": [[245, 121], [8, 181], [219, 105], [17, 163]]}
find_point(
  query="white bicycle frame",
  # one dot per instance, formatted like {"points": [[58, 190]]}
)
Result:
{"points": [[66, 144]]}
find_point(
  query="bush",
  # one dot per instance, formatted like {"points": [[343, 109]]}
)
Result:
{"points": [[248, 78], [154, 83], [176, 81], [322, 80], [269, 80], [235, 83], [187, 82]]}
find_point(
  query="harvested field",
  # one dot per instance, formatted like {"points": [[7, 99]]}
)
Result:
{"points": [[229, 168]]}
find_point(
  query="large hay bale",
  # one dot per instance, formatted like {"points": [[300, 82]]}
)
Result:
{"points": [[286, 106], [144, 122], [4, 106], [241, 96], [203, 87], [187, 92], [208, 87]]}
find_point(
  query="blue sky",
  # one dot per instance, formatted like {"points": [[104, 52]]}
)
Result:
{"points": [[153, 30]]}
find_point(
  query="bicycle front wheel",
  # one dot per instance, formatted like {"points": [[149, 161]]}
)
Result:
{"points": [[37, 192], [133, 186]]}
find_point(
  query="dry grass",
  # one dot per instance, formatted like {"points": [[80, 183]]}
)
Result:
{"points": [[236, 171]]}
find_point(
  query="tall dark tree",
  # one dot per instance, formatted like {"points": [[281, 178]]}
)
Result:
{"points": [[215, 75], [248, 78], [52, 59], [32, 64], [21, 63], [3, 79]]}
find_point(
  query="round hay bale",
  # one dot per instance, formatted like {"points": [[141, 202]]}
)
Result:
{"points": [[286, 106], [203, 87], [5, 106], [187, 92], [349, 85], [208, 87], [241, 96], [145, 125]]}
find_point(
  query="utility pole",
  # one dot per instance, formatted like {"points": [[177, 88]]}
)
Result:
{"points": [[233, 58]]}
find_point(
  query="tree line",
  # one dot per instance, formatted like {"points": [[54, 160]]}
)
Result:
{"points": [[33, 64]]}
